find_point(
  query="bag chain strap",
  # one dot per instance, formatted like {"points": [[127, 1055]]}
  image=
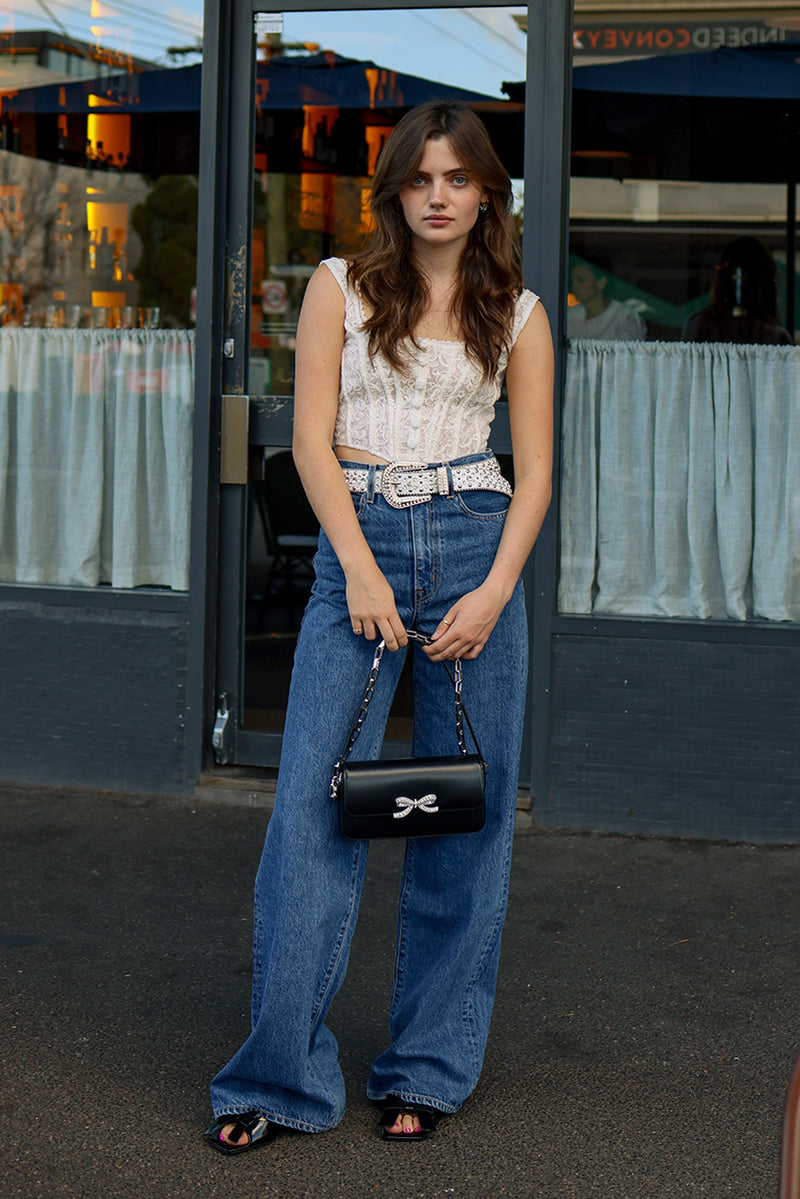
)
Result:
{"points": [[456, 679]]}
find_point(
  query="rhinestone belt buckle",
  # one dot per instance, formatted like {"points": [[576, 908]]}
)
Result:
{"points": [[389, 485]]}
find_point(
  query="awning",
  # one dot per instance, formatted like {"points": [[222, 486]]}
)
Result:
{"points": [[754, 72], [325, 80]]}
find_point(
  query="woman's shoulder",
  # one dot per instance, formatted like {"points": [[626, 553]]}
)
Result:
{"points": [[524, 305], [338, 268]]}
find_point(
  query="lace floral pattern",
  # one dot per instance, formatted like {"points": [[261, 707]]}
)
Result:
{"points": [[440, 410]]}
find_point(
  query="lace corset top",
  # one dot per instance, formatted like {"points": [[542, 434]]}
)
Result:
{"points": [[440, 410]]}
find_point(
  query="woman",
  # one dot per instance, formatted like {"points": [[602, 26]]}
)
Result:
{"points": [[400, 357], [744, 299], [596, 314]]}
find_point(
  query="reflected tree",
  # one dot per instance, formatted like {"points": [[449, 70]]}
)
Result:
{"points": [[42, 228], [166, 223]]}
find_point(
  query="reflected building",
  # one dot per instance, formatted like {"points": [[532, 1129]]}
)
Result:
{"points": [[78, 164]]}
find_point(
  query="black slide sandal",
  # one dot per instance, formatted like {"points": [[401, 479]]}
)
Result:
{"points": [[394, 1107], [257, 1128]]}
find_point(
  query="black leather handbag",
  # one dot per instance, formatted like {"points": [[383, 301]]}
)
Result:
{"points": [[411, 797]]}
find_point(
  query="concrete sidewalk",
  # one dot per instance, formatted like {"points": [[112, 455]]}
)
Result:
{"points": [[647, 1017]]}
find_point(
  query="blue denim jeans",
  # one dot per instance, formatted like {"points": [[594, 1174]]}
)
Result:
{"points": [[453, 890]]}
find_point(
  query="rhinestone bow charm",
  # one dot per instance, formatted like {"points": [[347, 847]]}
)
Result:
{"points": [[426, 804]]}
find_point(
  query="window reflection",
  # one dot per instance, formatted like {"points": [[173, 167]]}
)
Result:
{"points": [[98, 197], [98, 231], [744, 299]]}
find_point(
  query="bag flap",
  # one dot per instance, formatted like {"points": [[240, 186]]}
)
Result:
{"points": [[405, 785]]}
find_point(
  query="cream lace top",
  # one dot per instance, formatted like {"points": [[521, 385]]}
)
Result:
{"points": [[440, 410]]}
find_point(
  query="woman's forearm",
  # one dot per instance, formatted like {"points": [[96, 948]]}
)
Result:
{"points": [[325, 486], [522, 525], [370, 599]]}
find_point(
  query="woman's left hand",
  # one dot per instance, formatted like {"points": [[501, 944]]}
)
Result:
{"points": [[464, 631]]}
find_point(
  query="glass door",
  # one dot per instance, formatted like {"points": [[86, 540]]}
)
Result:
{"points": [[326, 88]]}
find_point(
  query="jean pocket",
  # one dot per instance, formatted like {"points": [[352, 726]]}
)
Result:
{"points": [[483, 505]]}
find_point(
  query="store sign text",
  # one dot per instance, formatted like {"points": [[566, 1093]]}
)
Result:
{"points": [[669, 38]]}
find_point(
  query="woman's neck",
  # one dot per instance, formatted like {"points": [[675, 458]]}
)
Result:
{"points": [[441, 273], [440, 265]]}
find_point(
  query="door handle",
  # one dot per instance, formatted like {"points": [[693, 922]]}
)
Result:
{"points": [[233, 442]]}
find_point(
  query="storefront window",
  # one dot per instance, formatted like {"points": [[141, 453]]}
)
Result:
{"points": [[98, 216], [680, 486]]}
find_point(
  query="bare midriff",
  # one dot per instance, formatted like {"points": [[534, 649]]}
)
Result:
{"points": [[350, 455]]}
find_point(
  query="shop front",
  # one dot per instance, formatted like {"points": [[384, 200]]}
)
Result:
{"points": [[161, 211]]}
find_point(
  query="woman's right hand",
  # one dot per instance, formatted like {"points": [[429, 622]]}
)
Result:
{"points": [[372, 608]]}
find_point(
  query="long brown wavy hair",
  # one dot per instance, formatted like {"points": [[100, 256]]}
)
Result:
{"points": [[490, 277]]}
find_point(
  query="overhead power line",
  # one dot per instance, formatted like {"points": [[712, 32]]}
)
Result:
{"points": [[136, 25]]}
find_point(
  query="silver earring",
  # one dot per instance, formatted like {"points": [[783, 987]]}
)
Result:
{"points": [[484, 206]]}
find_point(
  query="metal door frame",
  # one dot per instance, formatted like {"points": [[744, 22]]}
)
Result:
{"points": [[227, 227]]}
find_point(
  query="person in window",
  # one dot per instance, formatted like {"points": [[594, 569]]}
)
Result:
{"points": [[595, 315], [401, 354], [744, 299]]}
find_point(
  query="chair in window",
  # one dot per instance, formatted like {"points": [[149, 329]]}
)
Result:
{"points": [[290, 532]]}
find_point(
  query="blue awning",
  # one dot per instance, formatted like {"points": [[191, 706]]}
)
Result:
{"points": [[330, 80], [175, 90], [325, 79], [754, 72]]}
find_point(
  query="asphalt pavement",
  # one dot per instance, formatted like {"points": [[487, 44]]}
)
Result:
{"points": [[644, 1033]]}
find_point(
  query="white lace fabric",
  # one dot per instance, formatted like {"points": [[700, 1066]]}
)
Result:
{"points": [[439, 410]]}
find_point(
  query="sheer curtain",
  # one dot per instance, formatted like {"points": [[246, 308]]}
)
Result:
{"points": [[95, 456], [680, 482]]}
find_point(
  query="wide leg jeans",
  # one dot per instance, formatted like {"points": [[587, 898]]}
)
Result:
{"points": [[453, 890]]}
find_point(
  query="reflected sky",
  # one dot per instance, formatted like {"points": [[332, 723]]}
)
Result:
{"points": [[136, 27], [475, 48]]}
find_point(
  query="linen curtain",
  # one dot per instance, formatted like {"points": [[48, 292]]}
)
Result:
{"points": [[95, 456], [680, 482]]}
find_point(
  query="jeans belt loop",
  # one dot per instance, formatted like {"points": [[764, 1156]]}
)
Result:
{"points": [[371, 484]]}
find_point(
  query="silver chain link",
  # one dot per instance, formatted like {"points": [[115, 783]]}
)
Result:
{"points": [[462, 741], [456, 680]]}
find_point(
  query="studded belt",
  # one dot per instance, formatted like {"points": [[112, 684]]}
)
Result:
{"points": [[403, 484]]}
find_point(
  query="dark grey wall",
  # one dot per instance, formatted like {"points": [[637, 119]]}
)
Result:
{"points": [[93, 696], [678, 737]]}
